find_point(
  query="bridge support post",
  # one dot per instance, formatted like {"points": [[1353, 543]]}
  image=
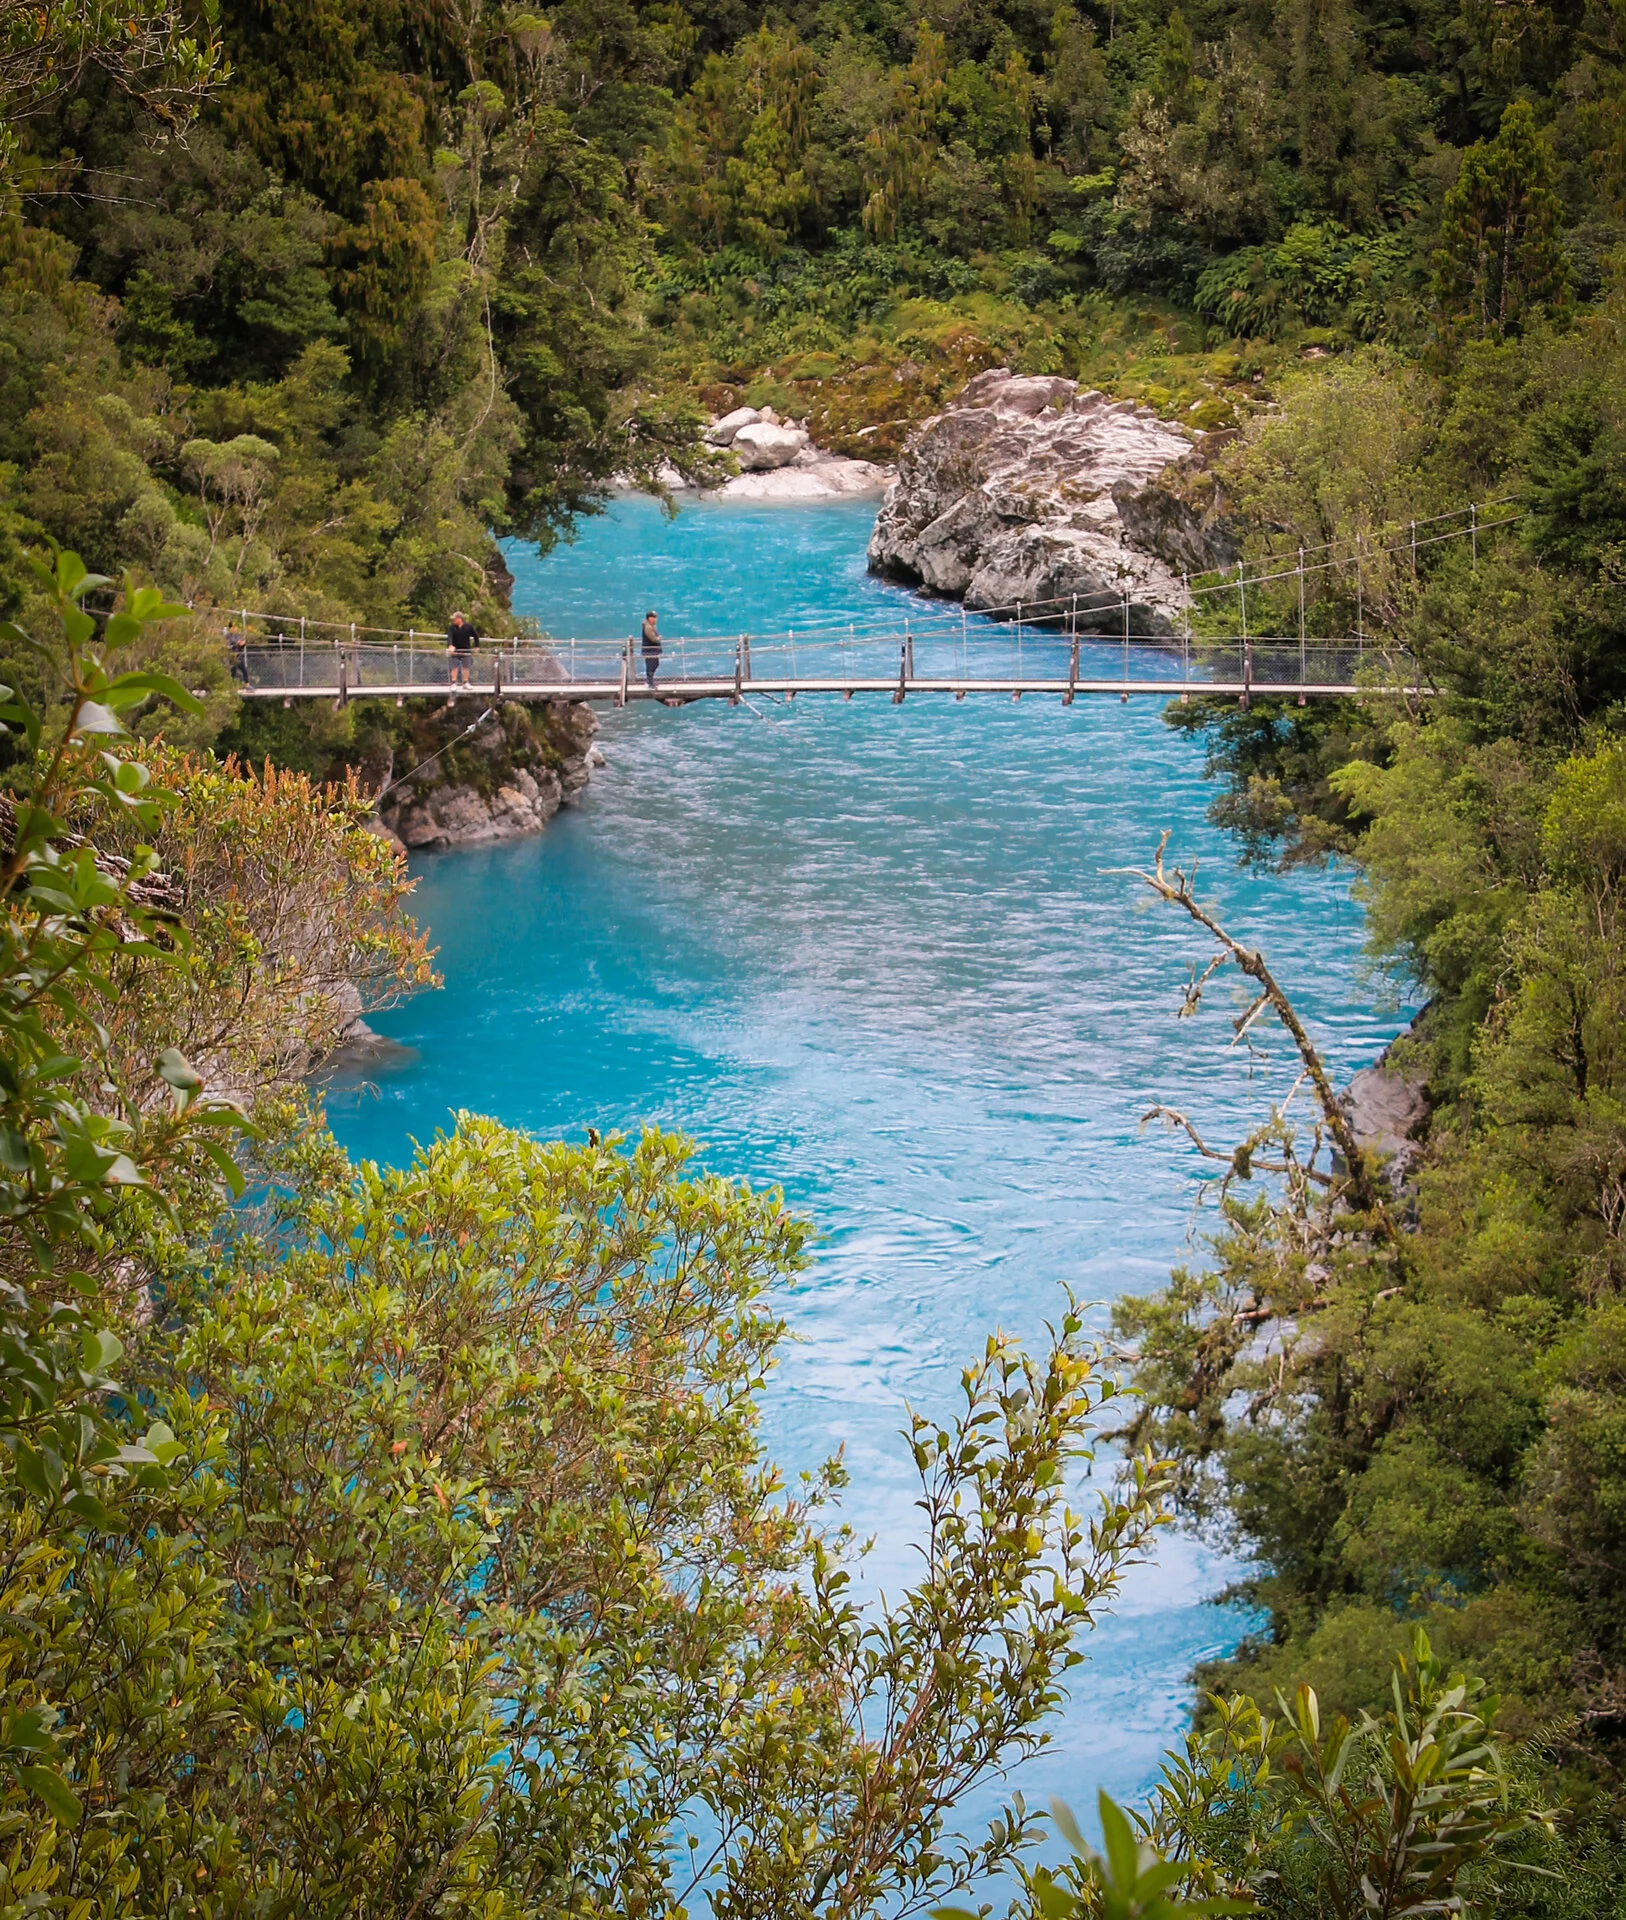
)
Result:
{"points": [[496, 680], [739, 671], [1185, 636], [903, 668], [626, 673], [1072, 672], [1247, 644], [745, 653], [344, 682]]}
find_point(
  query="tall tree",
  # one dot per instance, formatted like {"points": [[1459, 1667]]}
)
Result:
{"points": [[1499, 259]]}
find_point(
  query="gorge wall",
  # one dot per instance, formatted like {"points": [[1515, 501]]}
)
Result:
{"points": [[507, 779]]}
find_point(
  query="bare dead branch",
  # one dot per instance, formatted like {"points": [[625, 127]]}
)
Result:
{"points": [[1175, 885]]}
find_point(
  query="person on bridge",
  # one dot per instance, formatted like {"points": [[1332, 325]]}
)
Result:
{"points": [[651, 646], [461, 640], [237, 651]]}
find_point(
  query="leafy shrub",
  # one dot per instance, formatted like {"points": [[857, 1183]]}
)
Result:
{"points": [[1315, 274]]}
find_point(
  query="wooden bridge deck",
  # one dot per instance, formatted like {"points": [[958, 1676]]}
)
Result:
{"points": [[674, 692], [691, 669]]}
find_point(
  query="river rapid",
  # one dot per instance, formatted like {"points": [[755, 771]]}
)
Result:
{"points": [[878, 955]]}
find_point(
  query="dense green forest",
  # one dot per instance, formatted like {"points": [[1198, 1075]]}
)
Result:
{"points": [[419, 274], [303, 308], [1426, 1423]]}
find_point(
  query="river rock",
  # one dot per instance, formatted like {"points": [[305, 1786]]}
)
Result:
{"points": [[721, 432], [812, 475], [762, 446], [1022, 491]]}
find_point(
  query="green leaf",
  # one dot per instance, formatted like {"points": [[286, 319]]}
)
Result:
{"points": [[1123, 1854], [91, 1512], [1062, 1814], [102, 1350], [129, 688], [49, 1786], [179, 1072], [26, 1732], [229, 1168], [31, 1473]]}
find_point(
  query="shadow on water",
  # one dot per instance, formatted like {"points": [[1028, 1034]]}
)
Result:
{"points": [[880, 956]]}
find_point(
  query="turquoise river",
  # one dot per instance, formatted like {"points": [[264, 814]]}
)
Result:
{"points": [[878, 955]]}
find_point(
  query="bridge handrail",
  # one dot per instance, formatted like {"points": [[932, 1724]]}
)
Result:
{"points": [[1085, 613]]}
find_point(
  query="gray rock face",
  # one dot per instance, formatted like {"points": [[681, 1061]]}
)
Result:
{"points": [[1182, 517], [522, 801], [465, 817], [1385, 1108], [1024, 490]]}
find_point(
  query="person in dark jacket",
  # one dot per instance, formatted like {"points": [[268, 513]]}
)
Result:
{"points": [[651, 646], [461, 640]]}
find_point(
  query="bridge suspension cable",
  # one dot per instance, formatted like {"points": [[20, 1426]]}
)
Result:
{"points": [[1117, 644], [1087, 612]]}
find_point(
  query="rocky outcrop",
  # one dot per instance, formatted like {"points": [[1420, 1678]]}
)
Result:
{"points": [[466, 817], [1182, 517], [1386, 1108], [509, 780], [778, 461], [1027, 491]]}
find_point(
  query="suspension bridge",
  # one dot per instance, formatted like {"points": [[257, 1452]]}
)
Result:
{"points": [[1065, 645]]}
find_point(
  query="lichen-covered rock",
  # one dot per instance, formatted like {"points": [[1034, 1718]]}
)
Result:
{"points": [[1386, 1107], [509, 796], [1012, 495]]}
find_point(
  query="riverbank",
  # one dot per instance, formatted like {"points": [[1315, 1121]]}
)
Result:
{"points": [[506, 779]]}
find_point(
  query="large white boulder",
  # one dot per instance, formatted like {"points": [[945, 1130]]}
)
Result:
{"points": [[1011, 495], [761, 448], [721, 432]]}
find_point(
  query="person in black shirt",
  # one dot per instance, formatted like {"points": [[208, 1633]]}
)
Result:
{"points": [[461, 640], [651, 646], [237, 651]]}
